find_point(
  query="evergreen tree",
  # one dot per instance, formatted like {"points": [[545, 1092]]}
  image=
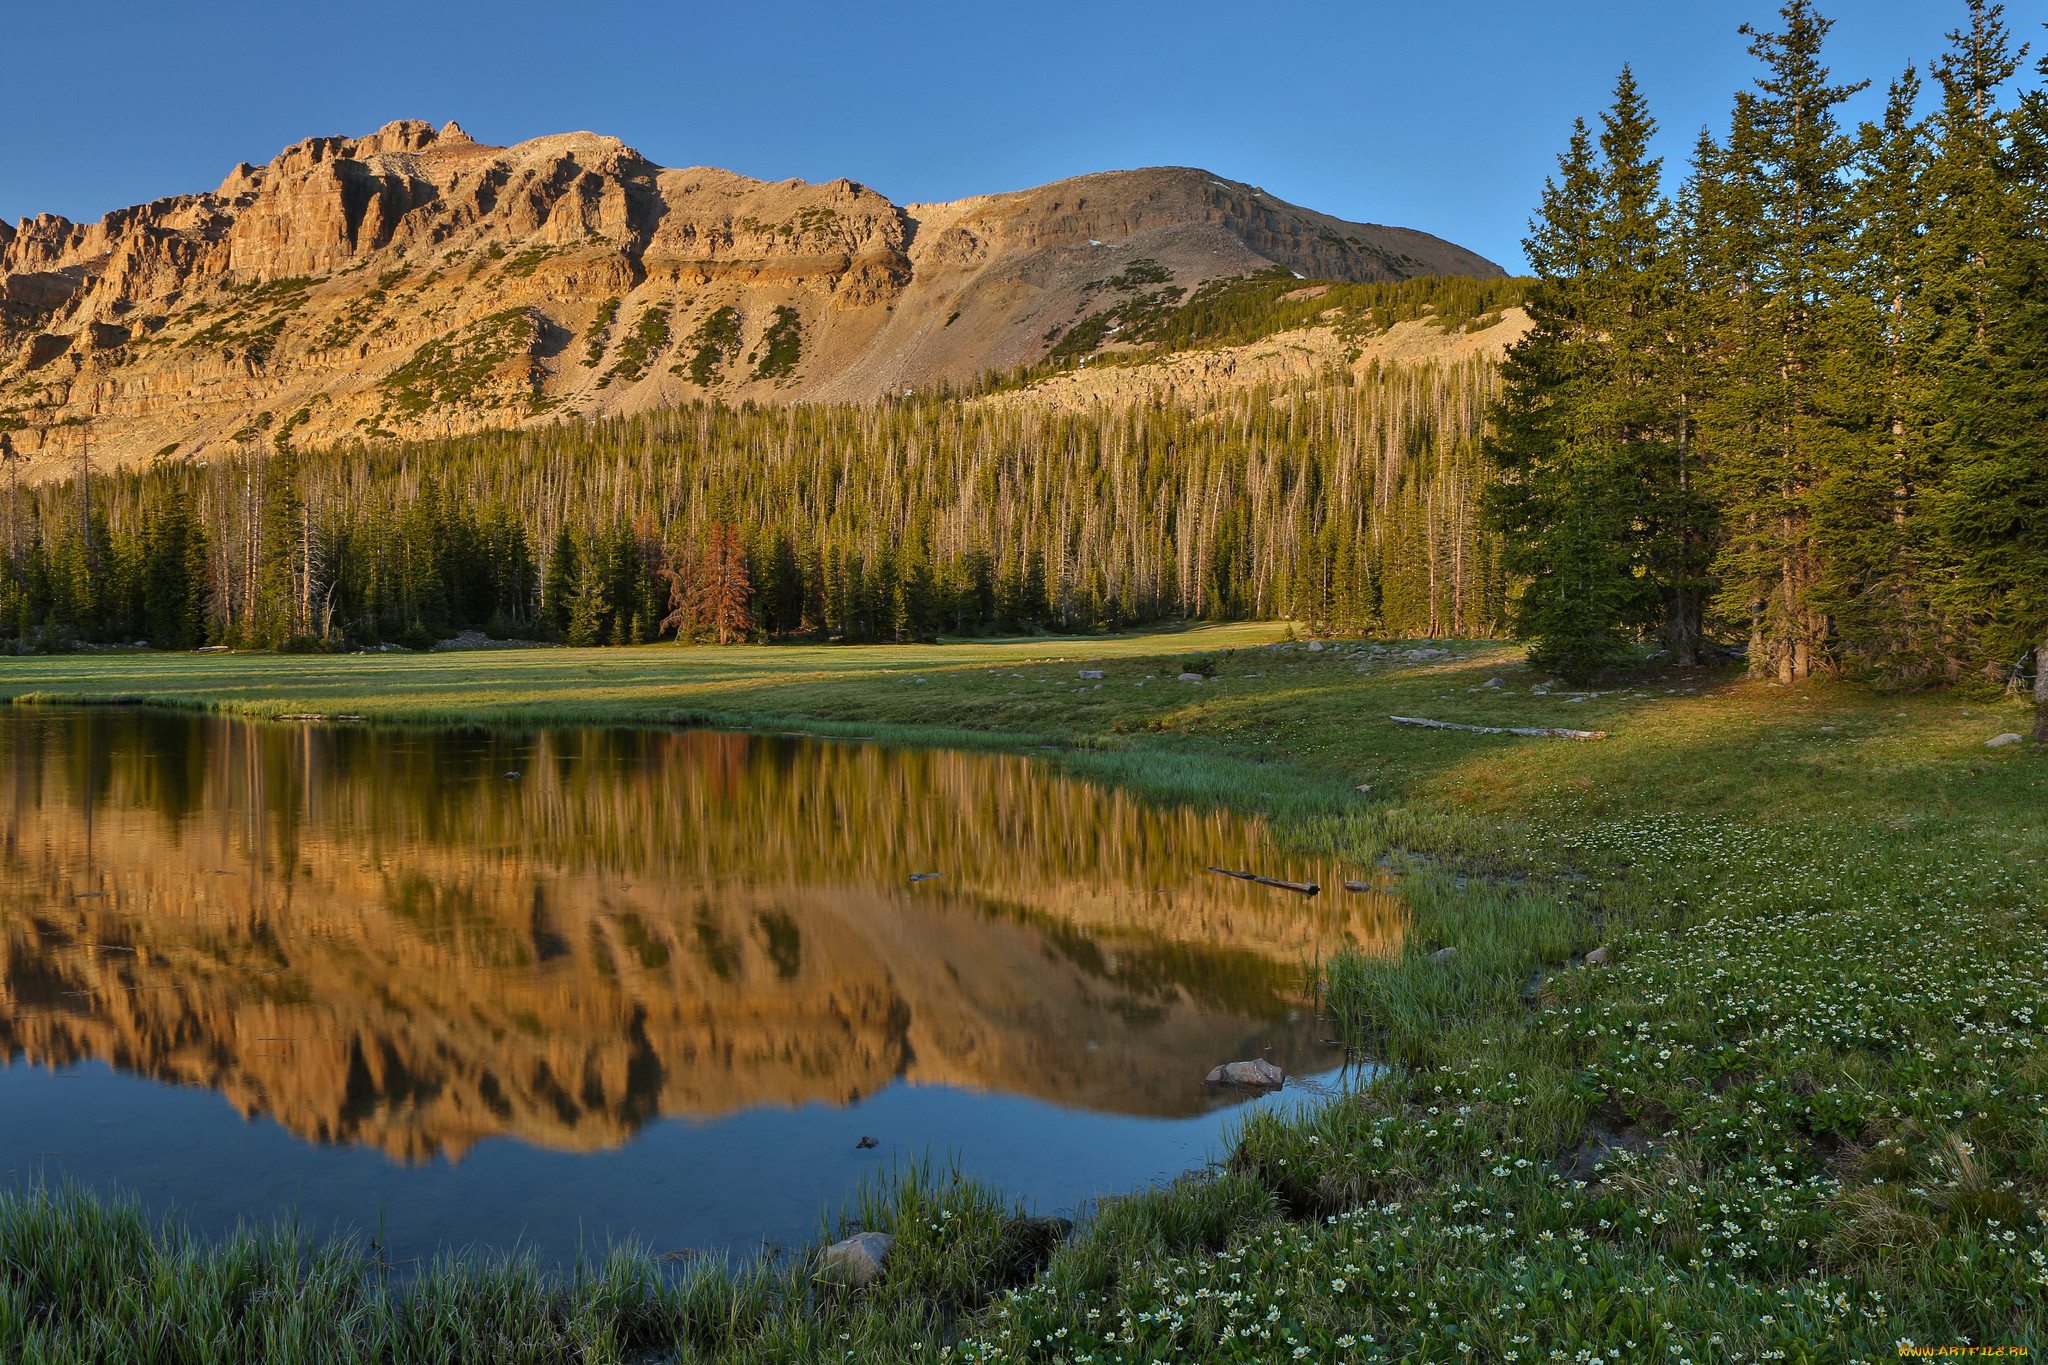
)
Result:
{"points": [[1872, 583], [1593, 496], [283, 579], [1992, 508], [589, 617], [173, 573], [1772, 412], [558, 587]]}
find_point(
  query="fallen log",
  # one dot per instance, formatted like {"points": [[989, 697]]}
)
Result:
{"points": [[1305, 888], [1532, 732]]}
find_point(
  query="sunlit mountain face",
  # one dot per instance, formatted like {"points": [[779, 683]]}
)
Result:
{"points": [[417, 941]]}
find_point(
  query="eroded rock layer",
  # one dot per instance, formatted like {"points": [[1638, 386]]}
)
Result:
{"points": [[419, 283]]}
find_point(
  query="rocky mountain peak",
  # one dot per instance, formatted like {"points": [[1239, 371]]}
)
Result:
{"points": [[418, 282]]}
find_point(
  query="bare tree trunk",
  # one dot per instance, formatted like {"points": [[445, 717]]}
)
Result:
{"points": [[1682, 628], [305, 603], [2041, 693]]}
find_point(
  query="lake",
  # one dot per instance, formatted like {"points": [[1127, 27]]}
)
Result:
{"points": [[553, 990]]}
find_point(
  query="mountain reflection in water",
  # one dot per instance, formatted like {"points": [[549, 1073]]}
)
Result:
{"points": [[417, 941]]}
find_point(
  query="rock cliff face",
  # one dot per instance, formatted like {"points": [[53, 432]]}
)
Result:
{"points": [[419, 283]]}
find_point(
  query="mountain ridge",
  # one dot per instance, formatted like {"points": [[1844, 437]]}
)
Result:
{"points": [[418, 283]]}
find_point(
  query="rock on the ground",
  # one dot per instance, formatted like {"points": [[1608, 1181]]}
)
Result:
{"points": [[476, 639], [1091, 672], [858, 1260], [1597, 956], [1315, 646], [2002, 740], [1443, 955], [1258, 1072], [1192, 677]]}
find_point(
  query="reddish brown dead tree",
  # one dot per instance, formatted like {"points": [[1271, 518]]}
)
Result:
{"points": [[708, 587]]}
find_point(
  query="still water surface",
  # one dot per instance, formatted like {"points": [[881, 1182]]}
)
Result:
{"points": [[560, 989]]}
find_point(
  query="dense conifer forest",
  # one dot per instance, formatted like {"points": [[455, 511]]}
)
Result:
{"points": [[1795, 401], [1790, 401], [1335, 501]]}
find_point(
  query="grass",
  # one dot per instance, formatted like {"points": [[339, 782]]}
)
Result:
{"points": [[1797, 1113]]}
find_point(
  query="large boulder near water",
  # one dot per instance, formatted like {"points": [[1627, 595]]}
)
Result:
{"points": [[857, 1261], [1257, 1073]]}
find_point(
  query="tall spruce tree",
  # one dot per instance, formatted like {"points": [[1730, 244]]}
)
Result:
{"points": [[1594, 498], [1783, 212], [278, 605], [1636, 409], [1868, 514], [558, 584], [1972, 214], [1685, 549], [1992, 508], [1552, 503], [173, 573]]}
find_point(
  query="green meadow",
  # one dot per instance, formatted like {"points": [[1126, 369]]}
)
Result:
{"points": [[1795, 1107]]}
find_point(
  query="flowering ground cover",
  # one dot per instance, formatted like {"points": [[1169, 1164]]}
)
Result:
{"points": [[1799, 1111], [1798, 1115]]}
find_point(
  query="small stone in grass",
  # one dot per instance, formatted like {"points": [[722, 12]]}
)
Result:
{"points": [[1091, 672], [1443, 955], [2002, 740], [1597, 956], [1192, 677]]}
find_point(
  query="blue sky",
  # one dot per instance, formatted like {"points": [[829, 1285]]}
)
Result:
{"points": [[1443, 115]]}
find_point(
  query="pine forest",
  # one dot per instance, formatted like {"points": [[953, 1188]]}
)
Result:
{"points": [[1334, 502]]}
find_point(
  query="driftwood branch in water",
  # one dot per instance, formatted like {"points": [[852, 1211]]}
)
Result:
{"points": [[1305, 888], [1536, 733]]}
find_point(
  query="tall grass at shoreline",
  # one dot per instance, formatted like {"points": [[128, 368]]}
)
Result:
{"points": [[1799, 1112]]}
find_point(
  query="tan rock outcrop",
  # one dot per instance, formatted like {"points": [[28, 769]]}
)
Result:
{"points": [[320, 281], [1194, 377]]}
